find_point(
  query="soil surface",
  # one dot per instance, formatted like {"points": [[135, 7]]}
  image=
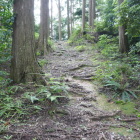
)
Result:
{"points": [[84, 116]]}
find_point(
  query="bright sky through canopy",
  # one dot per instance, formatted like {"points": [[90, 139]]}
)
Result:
{"points": [[37, 10]]}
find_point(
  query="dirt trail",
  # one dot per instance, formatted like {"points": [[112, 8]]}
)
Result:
{"points": [[90, 116], [84, 117]]}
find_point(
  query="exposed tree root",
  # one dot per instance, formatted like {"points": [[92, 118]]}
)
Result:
{"points": [[99, 117], [129, 119], [80, 66]]}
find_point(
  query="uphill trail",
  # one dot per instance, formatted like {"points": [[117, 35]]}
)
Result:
{"points": [[86, 115]]}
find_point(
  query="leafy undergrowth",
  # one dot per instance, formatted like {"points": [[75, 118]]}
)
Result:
{"points": [[19, 102], [118, 75]]}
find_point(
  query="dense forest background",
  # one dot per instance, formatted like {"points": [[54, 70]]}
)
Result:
{"points": [[108, 28]]}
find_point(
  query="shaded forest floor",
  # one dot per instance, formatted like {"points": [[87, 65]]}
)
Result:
{"points": [[84, 114]]}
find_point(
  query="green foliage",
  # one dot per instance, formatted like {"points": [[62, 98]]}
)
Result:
{"points": [[42, 62], [89, 37], [107, 45], [51, 92], [6, 13], [76, 38], [5, 30], [6, 22], [80, 48], [10, 106], [8, 137], [3, 128], [38, 53], [4, 81], [5, 45], [50, 42], [120, 77], [108, 16], [31, 97], [121, 90], [134, 49], [36, 35], [129, 12], [17, 101]]}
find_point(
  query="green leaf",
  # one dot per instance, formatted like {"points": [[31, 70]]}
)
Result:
{"points": [[33, 98], [37, 107], [48, 95], [54, 98], [15, 88], [43, 90], [133, 94], [125, 96], [113, 83]]}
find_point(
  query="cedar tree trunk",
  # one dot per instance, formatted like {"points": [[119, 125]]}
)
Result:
{"points": [[24, 66]]}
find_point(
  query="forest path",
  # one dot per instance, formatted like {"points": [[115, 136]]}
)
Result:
{"points": [[86, 115], [89, 116]]}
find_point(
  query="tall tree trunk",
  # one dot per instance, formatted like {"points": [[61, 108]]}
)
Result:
{"points": [[59, 9], [83, 14], [68, 18], [72, 13], [51, 18], [24, 66], [90, 13], [93, 13], [123, 40], [73, 7], [44, 27], [71, 16], [0, 21]]}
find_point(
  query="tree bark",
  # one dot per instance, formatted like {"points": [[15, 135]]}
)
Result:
{"points": [[68, 18], [44, 27], [59, 9], [0, 21], [73, 13], [90, 13], [51, 18], [123, 40], [24, 66], [83, 14], [93, 13], [71, 18]]}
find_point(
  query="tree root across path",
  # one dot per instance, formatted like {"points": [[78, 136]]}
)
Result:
{"points": [[79, 67], [99, 117]]}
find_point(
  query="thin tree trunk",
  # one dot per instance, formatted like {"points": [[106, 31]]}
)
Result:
{"points": [[123, 40], [90, 13], [24, 66], [71, 17], [0, 21], [83, 14], [68, 18], [72, 13], [44, 27], [93, 13], [51, 18], [59, 9]]}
